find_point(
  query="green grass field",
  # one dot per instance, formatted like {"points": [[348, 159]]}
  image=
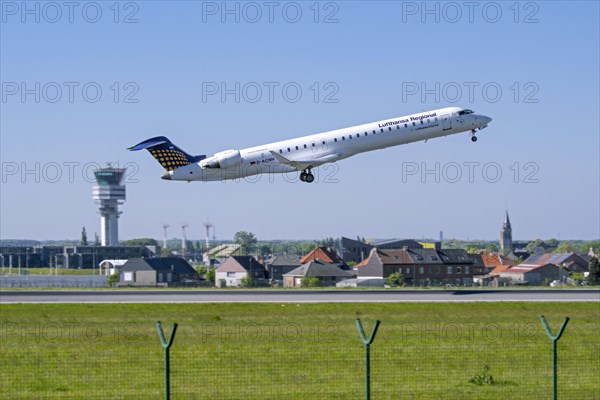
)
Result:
{"points": [[297, 351]]}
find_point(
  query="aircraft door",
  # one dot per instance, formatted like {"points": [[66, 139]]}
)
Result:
{"points": [[446, 123]]}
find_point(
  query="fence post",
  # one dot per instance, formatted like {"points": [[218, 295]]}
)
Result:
{"points": [[166, 345], [367, 343], [554, 339]]}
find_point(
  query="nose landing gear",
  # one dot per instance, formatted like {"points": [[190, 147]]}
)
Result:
{"points": [[473, 137]]}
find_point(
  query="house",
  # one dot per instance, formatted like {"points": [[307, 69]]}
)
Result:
{"points": [[231, 272], [423, 267], [281, 264], [536, 275], [322, 253], [328, 273], [158, 271], [358, 251], [496, 262], [572, 261]]}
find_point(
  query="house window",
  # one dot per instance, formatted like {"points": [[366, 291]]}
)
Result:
{"points": [[458, 270], [128, 276], [449, 270], [407, 270], [466, 270], [231, 274], [421, 270]]}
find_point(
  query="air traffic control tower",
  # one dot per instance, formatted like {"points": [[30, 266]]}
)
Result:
{"points": [[109, 193]]}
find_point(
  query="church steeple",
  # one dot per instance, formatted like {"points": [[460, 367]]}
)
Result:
{"points": [[506, 235]]}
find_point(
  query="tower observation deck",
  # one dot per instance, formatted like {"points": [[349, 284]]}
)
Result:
{"points": [[109, 193]]}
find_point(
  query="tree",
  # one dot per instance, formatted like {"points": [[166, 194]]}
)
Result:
{"points": [[83, 241], [594, 275], [311, 281], [394, 279], [591, 245], [471, 248], [96, 239], [247, 281], [140, 242], [165, 252], [246, 240], [492, 247], [210, 276], [565, 247], [534, 247]]}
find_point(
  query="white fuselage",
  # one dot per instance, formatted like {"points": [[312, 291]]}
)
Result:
{"points": [[331, 146]]}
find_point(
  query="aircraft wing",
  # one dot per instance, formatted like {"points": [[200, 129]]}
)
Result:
{"points": [[303, 164]]}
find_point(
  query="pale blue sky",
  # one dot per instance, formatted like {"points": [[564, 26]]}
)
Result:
{"points": [[372, 55]]}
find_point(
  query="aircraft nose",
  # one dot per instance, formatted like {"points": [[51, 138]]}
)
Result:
{"points": [[486, 119], [166, 176]]}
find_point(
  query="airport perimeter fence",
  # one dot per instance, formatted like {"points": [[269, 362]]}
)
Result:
{"points": [[59, 281], [449, 358]]}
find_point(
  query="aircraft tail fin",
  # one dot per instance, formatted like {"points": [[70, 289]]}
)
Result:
{"points": [[166, 153]]}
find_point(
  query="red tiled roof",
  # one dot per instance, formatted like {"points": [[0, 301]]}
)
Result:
{"points": [[495, 260], [321, 253]]}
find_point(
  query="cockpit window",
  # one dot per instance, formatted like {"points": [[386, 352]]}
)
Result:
{"points": [[465, 112]]}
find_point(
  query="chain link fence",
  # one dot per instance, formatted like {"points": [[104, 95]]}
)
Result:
{"points": [[232, 356]]}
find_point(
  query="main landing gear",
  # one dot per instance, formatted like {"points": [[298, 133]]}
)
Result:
{"points": [[473, 137], [307, 176]]}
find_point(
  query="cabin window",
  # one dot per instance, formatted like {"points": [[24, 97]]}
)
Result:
{"points": [[390, 128], [366, 133], [374, 131], [382, 130], [421, 122], [304, 146], [313, 145], [414, 124], [397, 126], [343, 137], [335, 139], [435, 119], [323, 142], [280, 151], [289, 150], [428, 120], [406, 125], [296, 147], [350, 136]]}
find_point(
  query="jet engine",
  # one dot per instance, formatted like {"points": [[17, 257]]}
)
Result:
{"points": [[224, 159]]}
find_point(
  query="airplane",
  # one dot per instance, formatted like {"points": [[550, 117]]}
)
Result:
{"points": [[308, 152]]}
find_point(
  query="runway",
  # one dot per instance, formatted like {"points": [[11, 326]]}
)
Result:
{"points": [[293, 296]]}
